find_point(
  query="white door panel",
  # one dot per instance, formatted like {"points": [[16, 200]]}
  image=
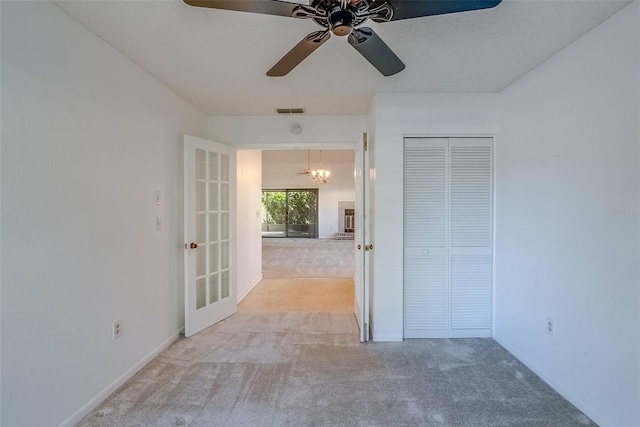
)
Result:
{"points": [[361, 239], [209, 220]]}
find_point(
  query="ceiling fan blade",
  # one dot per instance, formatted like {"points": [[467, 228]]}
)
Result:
{"points": [[299, 52], [371, 46], [406, 9], [268, 7]]}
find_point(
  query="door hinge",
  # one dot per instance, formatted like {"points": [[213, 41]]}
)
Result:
{"points": [[364, 141]]}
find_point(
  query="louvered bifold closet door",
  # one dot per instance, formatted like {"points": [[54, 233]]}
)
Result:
{"points": [[426, 297], [470, 239], [448, 198]]}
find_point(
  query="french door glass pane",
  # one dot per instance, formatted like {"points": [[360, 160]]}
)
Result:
{"points": [[201, 260], [224, 197], [224, 226], [201, 196], [213, 196], [201, 229], [224, 285], [213, 227], [201, 292], [214, 258], [224, 252], [213, 289], [213, 166], [201, 164]]}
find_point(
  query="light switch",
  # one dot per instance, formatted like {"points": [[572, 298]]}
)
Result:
{"points": [[158, 223], [158, 197]]}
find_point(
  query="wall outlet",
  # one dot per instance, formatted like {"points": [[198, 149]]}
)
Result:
{"points": [[117, 329], [551, 326]]}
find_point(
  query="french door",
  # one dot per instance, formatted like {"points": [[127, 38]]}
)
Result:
{"points": [[363, 246], [448, 199], [209, 229]]}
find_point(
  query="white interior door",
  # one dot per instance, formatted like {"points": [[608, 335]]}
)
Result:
{"points": [[209, 230], [426, 230], [448, 199], [362, 246]]}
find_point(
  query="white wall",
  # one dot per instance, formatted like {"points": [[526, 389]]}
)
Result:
{"points": [[87, 138], [568, 154], [274, 131], [341, 186], [249, 236], [393, 117]]}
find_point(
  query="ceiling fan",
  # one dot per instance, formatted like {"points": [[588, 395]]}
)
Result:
{"points": [[341, 17], [308, 170]]}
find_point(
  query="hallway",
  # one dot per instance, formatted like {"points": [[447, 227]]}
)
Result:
{"points": [[300, 295]]}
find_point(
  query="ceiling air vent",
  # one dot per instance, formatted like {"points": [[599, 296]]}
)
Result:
{"points": [[290, 110]]}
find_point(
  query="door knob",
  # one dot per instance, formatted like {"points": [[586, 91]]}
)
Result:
{"points": [[359, 247], [368, 247], [193, 245]]}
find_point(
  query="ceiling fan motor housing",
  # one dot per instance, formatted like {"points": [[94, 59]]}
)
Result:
{"points": [[341, 21]]}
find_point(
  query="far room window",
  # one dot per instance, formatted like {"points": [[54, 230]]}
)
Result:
{"points": [[290, 213]]}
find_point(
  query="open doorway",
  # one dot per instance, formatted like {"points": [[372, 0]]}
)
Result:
{"points": [[308, 252]]}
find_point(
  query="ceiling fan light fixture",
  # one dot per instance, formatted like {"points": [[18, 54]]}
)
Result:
{"points": [[320, 175]]}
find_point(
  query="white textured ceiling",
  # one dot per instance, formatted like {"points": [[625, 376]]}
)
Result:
{"points": [[217, 59]]}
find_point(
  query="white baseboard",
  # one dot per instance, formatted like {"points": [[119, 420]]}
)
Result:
{"points": [[578, 403], [250, 288], [93, 403], [387, 338]]}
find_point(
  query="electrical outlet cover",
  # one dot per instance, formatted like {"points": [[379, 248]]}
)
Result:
{"points": [[117, 329]]}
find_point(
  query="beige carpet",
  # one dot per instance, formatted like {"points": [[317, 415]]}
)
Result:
{"points": [[308, 369], [307, 258], [302, 295], [281, 362]]}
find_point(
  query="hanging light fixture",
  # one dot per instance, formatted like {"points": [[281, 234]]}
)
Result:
{"points": [[320, 175]]}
